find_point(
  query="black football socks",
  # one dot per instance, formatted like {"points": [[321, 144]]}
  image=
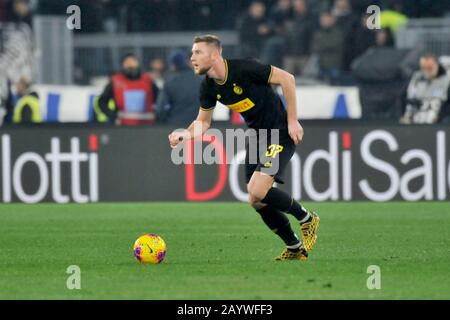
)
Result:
{"points": [[284, 202], [279, 223]]}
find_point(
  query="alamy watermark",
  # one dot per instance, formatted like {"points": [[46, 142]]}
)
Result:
{"points": [[74, 279], [263, 146], [73, 22], [374, 280], [373, 21]]}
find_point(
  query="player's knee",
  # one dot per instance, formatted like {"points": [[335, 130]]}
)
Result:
{"points": [[255, 195], [251, 200], [254, 202], [258, 205]]}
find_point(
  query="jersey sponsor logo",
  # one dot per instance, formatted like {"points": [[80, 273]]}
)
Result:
{"points": [[238, 90], [242, 105]]}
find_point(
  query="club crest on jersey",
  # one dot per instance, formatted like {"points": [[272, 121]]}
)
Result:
{"points": [[219, 96], [238, 90]]}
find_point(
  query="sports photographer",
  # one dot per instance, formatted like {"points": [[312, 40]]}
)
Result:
{"points": [[427, 96]]}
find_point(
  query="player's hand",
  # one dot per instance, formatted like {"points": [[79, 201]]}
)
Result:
{"points": [[295, 131], [177, 136]]}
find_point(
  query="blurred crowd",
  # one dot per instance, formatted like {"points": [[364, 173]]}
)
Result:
{"points": [[16, 11], [158, 15], [320, 41]]}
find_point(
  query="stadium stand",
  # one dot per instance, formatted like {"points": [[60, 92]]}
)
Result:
{"points": [[285, 33]]}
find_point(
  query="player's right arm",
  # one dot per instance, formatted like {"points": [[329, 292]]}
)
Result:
{"points": [[204, 118], [197, 128]]}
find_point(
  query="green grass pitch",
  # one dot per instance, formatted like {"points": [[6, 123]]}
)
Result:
{"points": [[223, 251]]}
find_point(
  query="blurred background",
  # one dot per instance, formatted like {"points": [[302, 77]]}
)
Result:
{"points": [[85, 74], [346, 69]]}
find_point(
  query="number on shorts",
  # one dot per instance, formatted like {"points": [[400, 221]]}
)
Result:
{"points": [[273, 150]]}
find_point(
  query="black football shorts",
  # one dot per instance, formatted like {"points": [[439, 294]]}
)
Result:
{"points": [[269, 154]]}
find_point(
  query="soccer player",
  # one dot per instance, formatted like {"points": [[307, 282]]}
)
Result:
{"points": [[245, 86]]}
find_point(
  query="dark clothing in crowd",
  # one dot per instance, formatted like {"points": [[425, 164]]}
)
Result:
{"points": [[7, 102], [178, 102], [300, 35], [278, 18], [251, 40], [329, 45], [3, 11], [360, 40]]}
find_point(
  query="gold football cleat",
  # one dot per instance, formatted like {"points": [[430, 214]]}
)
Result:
{"points": [[302, 254], [308, 231]]}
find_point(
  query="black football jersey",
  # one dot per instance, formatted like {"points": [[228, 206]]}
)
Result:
{"points": [[246, 89]]}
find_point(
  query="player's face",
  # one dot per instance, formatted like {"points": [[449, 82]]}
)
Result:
{"points": [[202, 58]]}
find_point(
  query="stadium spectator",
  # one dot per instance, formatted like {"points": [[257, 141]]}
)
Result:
{"points": [[316, 7], [428, 94], [151, 15], [93, 15], [380, 81], [384, 38], [16, 51], [361, 39], [6, 101], [3, 10], [21, 12], [110, 22], [206, 14], [345, 19], [299, 37], [99, 116], [392, 16], [253, 30], [51, 7], [279, 18], [27, 108], [157, 67], [178, 102], [328, 44], [133, 92]]}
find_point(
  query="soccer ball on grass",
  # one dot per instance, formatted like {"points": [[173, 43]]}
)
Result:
{"points": [[150, 248]]}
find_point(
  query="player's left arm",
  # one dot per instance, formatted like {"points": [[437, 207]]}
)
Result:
{"points": [[287, 83]]}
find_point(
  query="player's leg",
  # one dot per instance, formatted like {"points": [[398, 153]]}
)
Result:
{"points": [[273, 218], [309, 221], [277, 198]]}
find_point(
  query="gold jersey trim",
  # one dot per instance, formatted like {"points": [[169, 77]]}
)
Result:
{"points": [[207, 109], [226, 74], [270, 74]]}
